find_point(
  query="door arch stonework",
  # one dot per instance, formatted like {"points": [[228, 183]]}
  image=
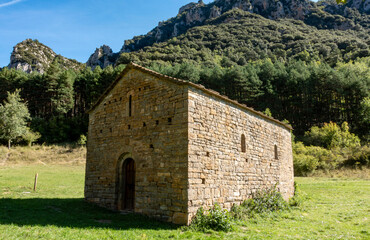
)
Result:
{"points": [[125, 182]]}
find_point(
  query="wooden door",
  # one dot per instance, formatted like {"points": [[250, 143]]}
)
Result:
{"points": [[129, 187]]}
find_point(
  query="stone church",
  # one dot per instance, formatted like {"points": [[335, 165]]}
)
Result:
{"points": [[164, 147]]}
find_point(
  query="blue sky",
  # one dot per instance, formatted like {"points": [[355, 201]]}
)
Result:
{"points": [[74, 28]]}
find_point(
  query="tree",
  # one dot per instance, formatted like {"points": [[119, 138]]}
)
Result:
{"points": [[30, 136], [365, 114], [60, 88], [13, 117]]}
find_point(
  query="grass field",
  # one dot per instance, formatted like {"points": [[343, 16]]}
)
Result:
{"points": [[336, 209]]}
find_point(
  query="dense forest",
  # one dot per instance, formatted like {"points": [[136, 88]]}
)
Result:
{"points": [[58, 99], [306, 93]]}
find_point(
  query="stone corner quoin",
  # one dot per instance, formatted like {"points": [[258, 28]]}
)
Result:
{"points": [[163, 147]]}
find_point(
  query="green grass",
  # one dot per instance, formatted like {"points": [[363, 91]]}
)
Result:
{"points": [[336, 209]]}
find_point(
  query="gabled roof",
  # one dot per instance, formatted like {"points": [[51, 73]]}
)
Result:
{"points": [[182, 82]]}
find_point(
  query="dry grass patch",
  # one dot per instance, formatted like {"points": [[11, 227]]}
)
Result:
{"points": [[41, 154], [348, 173]]}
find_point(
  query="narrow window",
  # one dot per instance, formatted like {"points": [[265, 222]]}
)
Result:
{"points": [[156, 122], [144, 124], [128, 126], [130, 106], [243, 143], [169, 120], [276, 152]]}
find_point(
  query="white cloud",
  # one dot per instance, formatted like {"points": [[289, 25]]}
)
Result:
{"points": [[10, 3]]}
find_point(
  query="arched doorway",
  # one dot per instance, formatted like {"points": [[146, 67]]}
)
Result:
{"points": [[127, 185]]}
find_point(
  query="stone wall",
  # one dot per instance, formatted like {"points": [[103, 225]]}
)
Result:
{"points": [[219, 172], [187, 146], [155, 137]]}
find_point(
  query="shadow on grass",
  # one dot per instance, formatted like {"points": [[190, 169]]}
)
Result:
{"points": [[74, 213]]}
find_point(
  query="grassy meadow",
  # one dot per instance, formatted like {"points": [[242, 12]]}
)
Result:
{"points": [[335, 208]]}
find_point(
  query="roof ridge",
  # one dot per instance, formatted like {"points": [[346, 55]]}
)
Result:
{"points": [[180, 81]]}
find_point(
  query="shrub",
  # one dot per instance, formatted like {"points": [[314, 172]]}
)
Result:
{"points": [[31, 137], [307, 159], [82, 140], [216, 219], [359, 157], [262, 202], [239, 212], [332, 136], [303, 163], [266, 201], [267, 112], [365, 116], [331, 147], [299, 197]]}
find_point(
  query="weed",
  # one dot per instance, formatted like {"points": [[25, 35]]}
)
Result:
{"points": [[239, 212], [266, 201], [299, 197], [216, 219], [262, 202]]}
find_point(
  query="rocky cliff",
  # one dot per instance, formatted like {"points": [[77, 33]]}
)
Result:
{"points": [[362, 6], [197, 14], [31, 55], [102, 57]]}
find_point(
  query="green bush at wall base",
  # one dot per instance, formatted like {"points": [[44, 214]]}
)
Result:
{"points": [[216, 219]]}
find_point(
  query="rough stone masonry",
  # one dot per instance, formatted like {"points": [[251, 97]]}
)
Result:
{"points": [[164, 147]]}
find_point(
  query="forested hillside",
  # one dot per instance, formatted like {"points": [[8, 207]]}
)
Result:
{"points": [[238, 36], [325, 14]]}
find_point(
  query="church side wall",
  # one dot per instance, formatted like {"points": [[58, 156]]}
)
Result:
{"points": [[155, 137], [219, 172]]}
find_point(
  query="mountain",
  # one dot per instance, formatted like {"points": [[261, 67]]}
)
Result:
{"points": [[198, 14], [31, 55], [254, 29], [232, 32], [238, 36]]}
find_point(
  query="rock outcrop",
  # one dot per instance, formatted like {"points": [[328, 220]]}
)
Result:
{"points": [[197, 14], [31, 55], [362, 6], [102, 57]]}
